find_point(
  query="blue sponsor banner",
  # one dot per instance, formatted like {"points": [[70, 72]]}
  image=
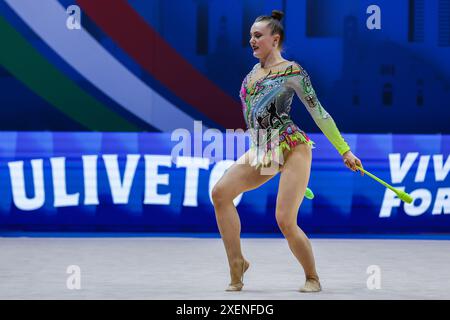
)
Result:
{"points": [[135, 182]]}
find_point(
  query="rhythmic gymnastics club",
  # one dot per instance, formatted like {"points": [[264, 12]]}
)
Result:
{"points": [[401, 194], [309, 194]]}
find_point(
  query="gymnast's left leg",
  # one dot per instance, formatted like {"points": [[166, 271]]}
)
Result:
{"points": [[292, 186]]}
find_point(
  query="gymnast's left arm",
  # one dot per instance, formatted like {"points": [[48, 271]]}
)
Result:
{"points": [[301, 83]]}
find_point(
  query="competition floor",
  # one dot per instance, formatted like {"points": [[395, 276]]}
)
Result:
{"points": [[190, 268]]}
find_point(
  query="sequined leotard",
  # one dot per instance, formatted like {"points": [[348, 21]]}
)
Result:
{"points": [[266, 106]]}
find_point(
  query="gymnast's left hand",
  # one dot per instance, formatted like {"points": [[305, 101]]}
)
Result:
{"points": [[351, 161]]}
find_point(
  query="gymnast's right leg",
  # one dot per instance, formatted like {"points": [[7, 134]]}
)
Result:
{"points": [[240, 177]]}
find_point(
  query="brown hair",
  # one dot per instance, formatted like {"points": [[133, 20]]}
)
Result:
{"points": [[274, 23]]}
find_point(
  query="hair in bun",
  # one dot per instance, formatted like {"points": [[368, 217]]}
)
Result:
{"points": [[277, 14], [274, 23]]}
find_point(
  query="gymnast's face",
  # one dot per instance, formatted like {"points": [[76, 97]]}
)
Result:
{"points": [[262, 41]]}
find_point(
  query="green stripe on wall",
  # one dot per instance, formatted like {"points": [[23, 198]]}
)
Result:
{"points": [[28, 66]]}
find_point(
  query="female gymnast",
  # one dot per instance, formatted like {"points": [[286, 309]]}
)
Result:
{"points": [[266, 95]]}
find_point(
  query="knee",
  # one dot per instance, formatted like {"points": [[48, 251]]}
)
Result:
{"points": [[218, 194], [287, 226]]}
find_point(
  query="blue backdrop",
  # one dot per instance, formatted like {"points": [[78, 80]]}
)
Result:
{"points": [[130, 182], [186, 60]]}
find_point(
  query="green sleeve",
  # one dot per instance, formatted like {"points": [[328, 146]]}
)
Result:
{"points": [[301, 83]]}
